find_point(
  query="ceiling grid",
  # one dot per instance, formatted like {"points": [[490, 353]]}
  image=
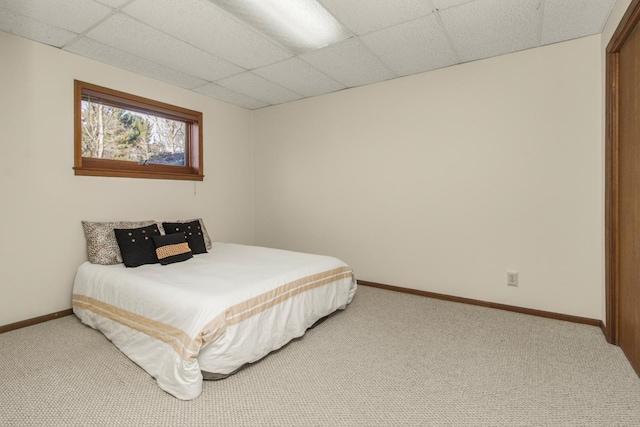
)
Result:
{"points": [[199, 46]]}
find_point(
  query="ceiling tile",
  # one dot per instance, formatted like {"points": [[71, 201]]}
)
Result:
{"points": [[22, 26], [109, 55], [300, 77], [222, 93], [209, 28], [259, 88], [413, 47], [197, 45], [127, 34], [481, 29], [447, 4], [113, 3], [350, 63], [72, 15], [569, 19], [363, 16]]}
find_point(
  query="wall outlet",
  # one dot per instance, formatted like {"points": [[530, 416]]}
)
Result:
{"points": [[512, 278]]}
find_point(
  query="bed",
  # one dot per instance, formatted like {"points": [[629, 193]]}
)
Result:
{"points": [[211, 315]]}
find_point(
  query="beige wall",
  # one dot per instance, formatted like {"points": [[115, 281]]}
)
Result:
{"points": [[43, 202], [443, 181], [439, 182], [618, 10]]}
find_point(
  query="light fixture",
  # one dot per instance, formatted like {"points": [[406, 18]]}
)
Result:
{"points": [[300, 25]]}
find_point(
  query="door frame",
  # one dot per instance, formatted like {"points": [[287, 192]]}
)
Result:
{"points": [[628, 23]]}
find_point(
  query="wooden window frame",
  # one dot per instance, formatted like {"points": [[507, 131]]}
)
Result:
{"points": [[193, 171]]}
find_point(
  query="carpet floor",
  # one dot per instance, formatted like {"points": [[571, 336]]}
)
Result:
{"points": [[389, 359]]}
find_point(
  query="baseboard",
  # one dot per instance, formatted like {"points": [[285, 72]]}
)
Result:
{"points": [[35, 320], [513, 308], [516, 309]]}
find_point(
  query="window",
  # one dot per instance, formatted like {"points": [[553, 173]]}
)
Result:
{"points": [[118, 134]]}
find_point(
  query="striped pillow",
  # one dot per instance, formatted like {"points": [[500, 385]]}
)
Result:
{"points": [[172, 248]]}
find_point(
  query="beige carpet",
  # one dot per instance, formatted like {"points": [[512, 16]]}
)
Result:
{"points": [[390, 359]]}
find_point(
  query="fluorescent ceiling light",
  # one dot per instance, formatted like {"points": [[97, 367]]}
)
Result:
{"points": [[300, 25]]}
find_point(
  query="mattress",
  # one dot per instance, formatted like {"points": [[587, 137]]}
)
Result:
{"points": [[213, 313]]}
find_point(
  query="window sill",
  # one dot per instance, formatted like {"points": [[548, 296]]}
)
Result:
{"points": [[94, 171]]}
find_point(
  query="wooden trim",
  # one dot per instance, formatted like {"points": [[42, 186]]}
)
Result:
{"points": [[540, 313], [120, 168], [512, 308], [86, 166], [136, 103], [91, 163], [135, 174], [611, 198], [35, 320], [625, 28]]}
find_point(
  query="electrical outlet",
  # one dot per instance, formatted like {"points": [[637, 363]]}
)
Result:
{"points": [[512, 278]]}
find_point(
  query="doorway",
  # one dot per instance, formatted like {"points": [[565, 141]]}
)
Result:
{"points": [[622, 199]]}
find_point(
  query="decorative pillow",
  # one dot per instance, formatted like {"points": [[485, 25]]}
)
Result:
{"points": [[102, 247], [192, 230], [207, 239], [136, 245], [172, 248]]}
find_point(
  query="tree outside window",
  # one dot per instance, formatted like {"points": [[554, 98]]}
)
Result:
{"points": [[118, 134]]}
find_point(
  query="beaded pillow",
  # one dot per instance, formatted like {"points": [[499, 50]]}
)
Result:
{"points": [[102, 247], [193, 231], [205, 235], [136, 245]]}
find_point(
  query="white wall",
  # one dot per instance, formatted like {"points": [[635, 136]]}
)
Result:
{"points": [[42, 202], [443, 181]]}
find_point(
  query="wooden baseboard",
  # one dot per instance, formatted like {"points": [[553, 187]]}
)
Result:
{"points": [[530, 311], [35, 320], [513, 308]]}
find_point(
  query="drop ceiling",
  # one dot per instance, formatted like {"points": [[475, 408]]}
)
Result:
{"points": [[195, 45]]}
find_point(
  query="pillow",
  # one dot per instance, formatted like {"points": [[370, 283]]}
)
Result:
{"points": [[172, 248], [207, 239], [192, 230], [136, 245], [102, 247]]}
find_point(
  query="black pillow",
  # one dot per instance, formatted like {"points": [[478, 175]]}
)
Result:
{"points": [[192, 230], [136, 245], [172, 248]]}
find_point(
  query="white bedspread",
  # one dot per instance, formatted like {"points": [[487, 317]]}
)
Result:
{"points": [[212, 313]]}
